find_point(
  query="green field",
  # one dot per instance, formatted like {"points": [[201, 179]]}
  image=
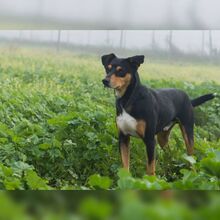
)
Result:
{"points": [[193, 72], [57, 125]]}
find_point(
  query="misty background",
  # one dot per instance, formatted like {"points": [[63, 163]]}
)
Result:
{"points": [[100, 26], [174, 43], [114, 14]]}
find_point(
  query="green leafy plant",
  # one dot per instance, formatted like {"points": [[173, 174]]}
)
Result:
{"points": [[57, 127]]}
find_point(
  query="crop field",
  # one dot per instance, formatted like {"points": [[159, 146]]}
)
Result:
{"points": [[57, 125]]}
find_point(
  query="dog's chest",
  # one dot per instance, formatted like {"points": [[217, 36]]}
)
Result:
{"points": [[126, 123]]}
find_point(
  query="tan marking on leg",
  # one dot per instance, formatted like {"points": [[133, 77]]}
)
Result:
{"points": [[163, 138], [140, 128], [125, 156], [151, 168], [188, 143]]}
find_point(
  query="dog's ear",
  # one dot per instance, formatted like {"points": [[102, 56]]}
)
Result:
{"points": [[136, 60], [106, 59]]}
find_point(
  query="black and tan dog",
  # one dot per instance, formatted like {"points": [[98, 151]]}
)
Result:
{"points": [[144, 112]]}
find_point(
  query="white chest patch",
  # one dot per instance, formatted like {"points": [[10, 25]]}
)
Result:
{"points": [[126, 123]]}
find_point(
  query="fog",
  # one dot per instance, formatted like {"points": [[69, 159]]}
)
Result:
{"points": [[115, 24], [197, 41], [114, 14]]}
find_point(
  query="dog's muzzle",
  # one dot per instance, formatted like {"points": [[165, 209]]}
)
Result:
{"points": [[106, 82]]}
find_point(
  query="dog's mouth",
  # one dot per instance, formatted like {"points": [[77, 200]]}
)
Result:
{"points": [[112, 87], [107, 84], [117, 87]]}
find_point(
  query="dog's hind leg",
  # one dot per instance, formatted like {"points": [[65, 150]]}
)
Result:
{"points": [[163, 136], [186, 125], [124, 150], [187, 132]]}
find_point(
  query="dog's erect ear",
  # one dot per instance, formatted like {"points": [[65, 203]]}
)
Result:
{"points": [[106, 59], [136, 60]]}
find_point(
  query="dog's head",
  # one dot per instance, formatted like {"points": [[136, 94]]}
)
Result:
{"points": [[120, 71]]}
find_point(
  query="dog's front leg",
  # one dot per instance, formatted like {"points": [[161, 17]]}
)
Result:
{"points": [[124, 149], [150, 147]]}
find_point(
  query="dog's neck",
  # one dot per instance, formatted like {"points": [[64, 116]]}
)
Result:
{"points": [[130, 91]]}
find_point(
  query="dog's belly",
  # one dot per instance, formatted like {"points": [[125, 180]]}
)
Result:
{"points": [[166, 128], [127, 124]]}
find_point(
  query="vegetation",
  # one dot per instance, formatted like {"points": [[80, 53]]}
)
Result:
{"points": [[103, 205], [57, 127]]}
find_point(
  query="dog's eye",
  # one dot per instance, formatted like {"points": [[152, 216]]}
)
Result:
{"points": [[118, 68], [121, 73], [108, 68]]}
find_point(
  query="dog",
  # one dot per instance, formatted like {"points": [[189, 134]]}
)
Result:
{"points": [[144, 112]]}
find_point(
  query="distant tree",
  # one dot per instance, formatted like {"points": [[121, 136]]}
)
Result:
{"points": [[58, 40], [210, 43], [125, 37], [173, 49], [153, 41], [203, 43], [121, 38], [107, 41], [88, 37], [170, 40]]}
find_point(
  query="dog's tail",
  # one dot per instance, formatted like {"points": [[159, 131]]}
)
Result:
{"points": [[200, 100]]}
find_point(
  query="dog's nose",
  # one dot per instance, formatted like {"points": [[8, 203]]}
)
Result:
{"points": [[105, 82]]}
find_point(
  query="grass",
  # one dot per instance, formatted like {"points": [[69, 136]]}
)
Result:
{"points": [[57, 124], [151, 69], [191, 72]]}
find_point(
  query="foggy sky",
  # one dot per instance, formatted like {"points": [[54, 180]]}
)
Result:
{"points": [[187, 41], [114, 14]]}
